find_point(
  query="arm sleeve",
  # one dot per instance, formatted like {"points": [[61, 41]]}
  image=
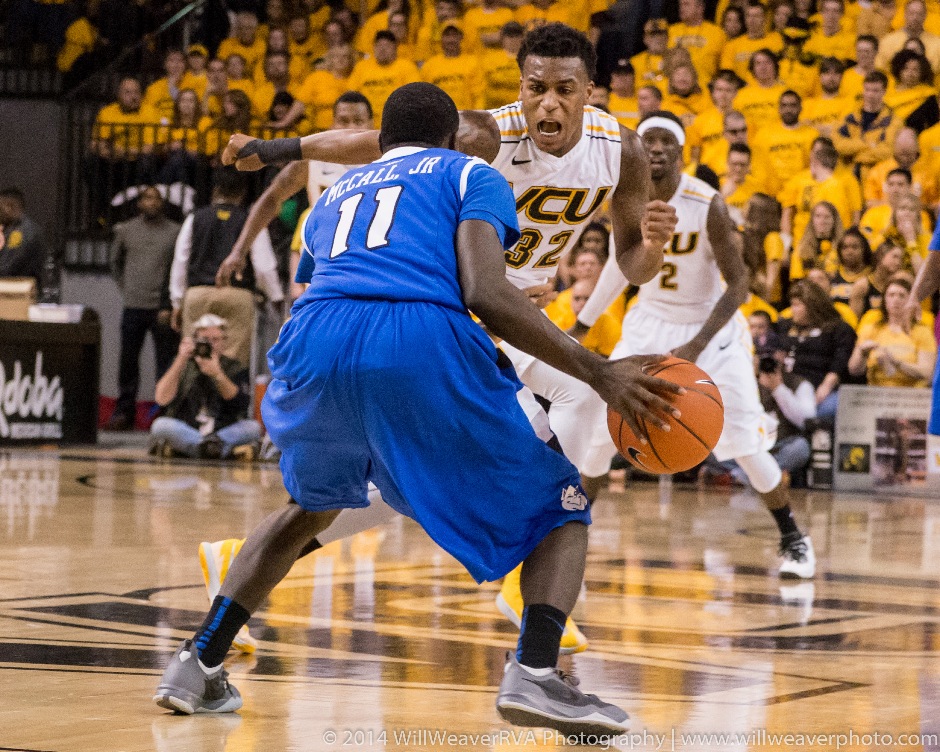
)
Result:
{"points": [[486, 195], [181, 252], [265, 266], [609, 285], [844, 344], [799, 406]]}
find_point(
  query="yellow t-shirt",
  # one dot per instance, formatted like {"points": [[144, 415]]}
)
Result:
{"points": [[742, 194], [80, 38], [876, 221], [757, 303], [779, 153], [840, 45], [704, 43], [127, 130], [923, 172], [904, 347], [376, 82], [736, 54], [825, 113], [648, 71], [625, 109], [263, 98], [707, 133], [319, 92], [905, 102], [159, 97], [253, 53], [802, 192], [852, 86], [459, 76], [500, 78], [803, 79], [929, 142], [601, 338], [479, 21], [759, 105], [530, 16], [688, 107]]}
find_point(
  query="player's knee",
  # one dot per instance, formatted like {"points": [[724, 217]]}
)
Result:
{"points": [[762, 471]]}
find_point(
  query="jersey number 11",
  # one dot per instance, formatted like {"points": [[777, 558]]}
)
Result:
{"points": [[386, 200]]}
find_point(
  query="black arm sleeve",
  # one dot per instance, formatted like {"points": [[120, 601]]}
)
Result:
{"points": [[843, 343], [273, 151]]}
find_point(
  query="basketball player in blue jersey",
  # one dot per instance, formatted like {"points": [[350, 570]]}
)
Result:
{"points": [[563, 159], [402, 247]]}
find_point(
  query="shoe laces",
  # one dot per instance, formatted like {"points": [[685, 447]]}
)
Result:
{"points": [[218, 683], [795, 550], [570, 679]]}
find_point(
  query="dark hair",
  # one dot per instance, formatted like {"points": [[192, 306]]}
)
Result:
{"points": [[829, 64], [766, 53], [763, 314], [277, 53], [901, 171], [872, 40], [791, 93], [867, 257], [732, 9], [418, 113], [901, 281], [709, 176], [827, 154], [230, 183], [728, 76], [512, 29], [559, 40], [13, 192], [740, 148], [353, 97], [876, 77], [654, 89], [819, 308], [900, 61], [386, 35]]}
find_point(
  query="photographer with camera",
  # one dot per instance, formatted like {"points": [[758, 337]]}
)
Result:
{"points": [[203, 398], [791, 398]]}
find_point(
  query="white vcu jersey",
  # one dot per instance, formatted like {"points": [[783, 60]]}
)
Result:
{"points": [[321, 176], [555, 196], [689, 283]]}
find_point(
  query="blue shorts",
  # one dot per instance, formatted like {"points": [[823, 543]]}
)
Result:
{"points": [[410, 397]]}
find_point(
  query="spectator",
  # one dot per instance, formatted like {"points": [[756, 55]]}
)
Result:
{"points": [[865, 137], [183, 140], [378, 76], [277, 79], [895, 350], [830, 38], [819, 278], [876, 19], [818, 244], [381, 20], [798, 69], [759, 101], [122, 143], [205, 239], [197, 63], [826, 112], [868, 291], [22, 248], [454, 71], [686, 98], [398, 24], [761, 324], [500, 69], [736, 53], [853, 80], [732, 23], [237, 72], [648, 66], [203, 398], [216, 88], [704, 139], [603, 336], [915, 13], [484, 24], [648, 100], [303, 44], [739, 185], [235, 118], [161, 94], [429, 35], [82, 52], [820, 344], [764, 248], [245, 41], [140, 258], [781, 149], [853, 263], [907, 228], [906, 155], [913, 84], [622, 102], [324, 86], [701, 38], [296, 67]]}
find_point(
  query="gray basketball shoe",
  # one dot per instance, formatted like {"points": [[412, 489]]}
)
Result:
{"points": [[553, 701], [186, 687]]}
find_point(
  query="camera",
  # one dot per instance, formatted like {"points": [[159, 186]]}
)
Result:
{"points": [[767, 364], [203, 349]]}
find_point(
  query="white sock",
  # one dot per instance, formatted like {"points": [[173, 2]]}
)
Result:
{"points": [[537, 671]]}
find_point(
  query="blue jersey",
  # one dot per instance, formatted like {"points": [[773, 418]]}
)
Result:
{"points": [[387, 231]]}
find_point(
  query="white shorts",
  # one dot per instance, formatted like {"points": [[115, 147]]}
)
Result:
{"points": [[578, 417], [728, 359]]}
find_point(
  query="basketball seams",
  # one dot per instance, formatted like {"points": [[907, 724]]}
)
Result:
{"points": [[706, 394], [649, 444]]}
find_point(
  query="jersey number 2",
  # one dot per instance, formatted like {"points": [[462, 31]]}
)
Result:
{"points": [[386, 200]]}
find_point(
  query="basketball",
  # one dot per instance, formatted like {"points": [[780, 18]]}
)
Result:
{"points": [[690, 438]]}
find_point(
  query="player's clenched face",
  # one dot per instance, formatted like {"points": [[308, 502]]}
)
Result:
{"points": [[554, 91], [663, 150]]}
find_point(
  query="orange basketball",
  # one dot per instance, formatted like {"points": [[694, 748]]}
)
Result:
{"points": [[690, 438]]}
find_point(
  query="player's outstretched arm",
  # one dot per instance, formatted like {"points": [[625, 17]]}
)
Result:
{"points": [[510, 315], [478, 136], [729, 254], [927, 282], [640, 227], [285, 184]]}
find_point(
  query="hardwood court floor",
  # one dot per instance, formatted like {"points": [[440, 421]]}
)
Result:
{"points": [[382, 642]]}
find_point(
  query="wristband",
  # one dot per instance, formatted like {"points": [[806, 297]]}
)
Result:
{"points": [[275, 150]]}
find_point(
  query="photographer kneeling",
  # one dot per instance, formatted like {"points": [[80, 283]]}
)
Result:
{"points": [[203, 398]]}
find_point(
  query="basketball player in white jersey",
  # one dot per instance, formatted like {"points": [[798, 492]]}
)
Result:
{"points": [[563, 159], [691, 309]]}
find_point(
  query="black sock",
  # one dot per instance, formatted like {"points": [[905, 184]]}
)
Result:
{"points": [[310, 548], [214, 637], [784, 519], [540, 636]]}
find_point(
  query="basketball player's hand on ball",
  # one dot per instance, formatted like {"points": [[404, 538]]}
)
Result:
{"points": [[230, 154], [626, 388], [541, 295], [659, 224]]}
